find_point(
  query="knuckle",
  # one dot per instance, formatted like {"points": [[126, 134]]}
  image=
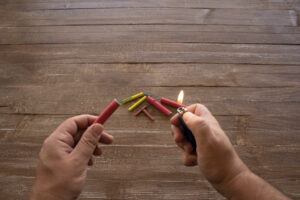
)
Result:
{"points": [[73, 161], [185, 163], [185, 160], [177, 139], [195, 121], [204, 123], [82, 116], [70, 118], [46, 142], [202, 107], [204, 126], [41, 154], [179, 144], [89, 141], [199, 120]]}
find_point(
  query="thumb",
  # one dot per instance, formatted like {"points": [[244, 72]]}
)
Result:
{"points": [[196, 124], [88, 142]]}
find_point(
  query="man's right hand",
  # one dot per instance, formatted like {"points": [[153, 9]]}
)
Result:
{"points": [[217, 159], [215, 155]]}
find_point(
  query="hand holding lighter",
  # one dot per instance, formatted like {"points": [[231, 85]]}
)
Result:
{"points": [[187, 132]]}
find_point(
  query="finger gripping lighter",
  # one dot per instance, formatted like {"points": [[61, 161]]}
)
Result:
{"points": [[185, 129]]}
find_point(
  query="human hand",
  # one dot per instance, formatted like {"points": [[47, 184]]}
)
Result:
{"points": [[65, 156], [214, 154]]}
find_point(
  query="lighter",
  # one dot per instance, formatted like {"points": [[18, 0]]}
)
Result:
{"points": [[187, 132]]}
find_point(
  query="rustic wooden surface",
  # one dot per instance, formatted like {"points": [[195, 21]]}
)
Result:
{"points": [[61, 58]]}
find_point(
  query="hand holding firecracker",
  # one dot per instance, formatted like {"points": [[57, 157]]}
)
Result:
{"points": [[68, 151], [65, 156]]}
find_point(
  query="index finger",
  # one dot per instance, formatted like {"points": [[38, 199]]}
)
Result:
{"points": [[175, 119], [197, 109], [73, 124]]}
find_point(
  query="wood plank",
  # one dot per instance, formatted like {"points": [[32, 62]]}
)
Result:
{"points": [[150, 53], [242, 130], [124, 190], [148, 16], [142, 75], [99, 190], [102, 190], [66, 57], [154, 28], [94, 98], [44, 124], [269, 161], [159, 159], [146, 34], [92, 4], [148, 138]]}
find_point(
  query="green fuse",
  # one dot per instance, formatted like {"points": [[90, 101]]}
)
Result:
{"points": [[133, 97]]}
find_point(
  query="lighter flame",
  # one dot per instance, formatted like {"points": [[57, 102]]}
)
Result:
{"points": [[180, 97]]}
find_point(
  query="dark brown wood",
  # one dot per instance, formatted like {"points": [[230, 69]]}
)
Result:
{"points": [[142, 75], [150, 34], [149, 16], [62, 58], [151, 53], [92, 4]]}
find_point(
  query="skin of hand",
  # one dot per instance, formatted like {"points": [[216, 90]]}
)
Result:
{"points": [[216, 157], [65, 156]]}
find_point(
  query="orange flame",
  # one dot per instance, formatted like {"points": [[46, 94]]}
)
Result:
{"points": [[180, 97]]}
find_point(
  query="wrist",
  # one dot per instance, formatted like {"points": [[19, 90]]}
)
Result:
{"points": [[38, 193], [42, 190], [235, 172], [231, 187]]}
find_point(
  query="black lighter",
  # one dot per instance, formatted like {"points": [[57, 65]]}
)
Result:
{"points": [[187, 132]]}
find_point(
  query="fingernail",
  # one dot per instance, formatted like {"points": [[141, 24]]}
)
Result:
{"points": [[97, 129]]}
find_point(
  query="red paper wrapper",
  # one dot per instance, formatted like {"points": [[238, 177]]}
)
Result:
{"points": [[140, 110], [159, 106], [171, 102], [148, 114], [108, 111]]}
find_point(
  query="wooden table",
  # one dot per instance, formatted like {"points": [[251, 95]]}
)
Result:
{"points": [[241, 58]]}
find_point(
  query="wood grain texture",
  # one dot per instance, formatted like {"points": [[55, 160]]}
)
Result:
{"points": [[92, 4], [152, 75], [63, 58], [151, 53], [149, 16], [150, 34]]}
